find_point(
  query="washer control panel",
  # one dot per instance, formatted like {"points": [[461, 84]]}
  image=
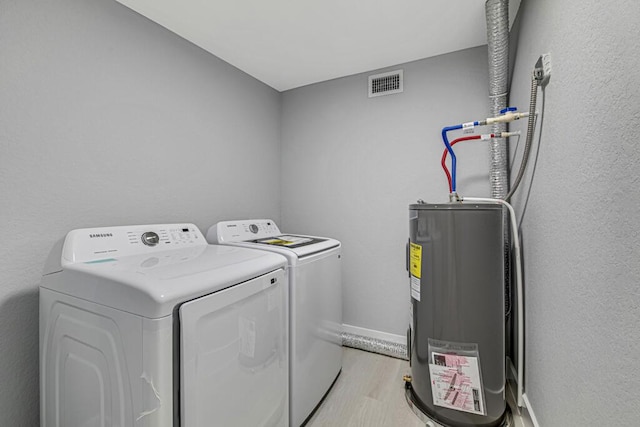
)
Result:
{"points": [[106, 243], [242, 230]]}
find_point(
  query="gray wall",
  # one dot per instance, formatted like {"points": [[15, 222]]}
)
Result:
{"points": [[107, 119], [353, 164], [581, 226]]}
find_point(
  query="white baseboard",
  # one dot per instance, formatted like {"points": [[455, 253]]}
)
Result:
{"points": [[529, 410], [371, 333]]}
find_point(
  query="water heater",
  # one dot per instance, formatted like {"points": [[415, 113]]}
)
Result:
{"points": [[456, 339]]}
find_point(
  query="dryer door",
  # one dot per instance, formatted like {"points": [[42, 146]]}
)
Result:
{"points": [[234, 356]]}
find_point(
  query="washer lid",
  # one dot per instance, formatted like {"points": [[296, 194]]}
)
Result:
{"points": [[153, 283], [265, 234]]}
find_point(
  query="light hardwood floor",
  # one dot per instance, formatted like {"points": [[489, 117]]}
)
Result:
{"points": [[369, 392]]}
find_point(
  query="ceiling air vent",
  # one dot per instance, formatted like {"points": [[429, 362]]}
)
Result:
{"points": [[385, 83]]}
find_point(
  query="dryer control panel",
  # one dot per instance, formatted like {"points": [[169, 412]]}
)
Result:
{"points": [[106, 243], [242, 230]]}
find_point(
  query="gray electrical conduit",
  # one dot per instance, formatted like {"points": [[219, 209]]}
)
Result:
{"points": [[517, 250], [531, 125]]}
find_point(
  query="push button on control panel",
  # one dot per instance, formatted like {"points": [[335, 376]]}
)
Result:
{"points": [[150, 238]]}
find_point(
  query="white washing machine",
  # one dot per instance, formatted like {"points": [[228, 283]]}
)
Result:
{"points": [[151, 326], [315, 302]]}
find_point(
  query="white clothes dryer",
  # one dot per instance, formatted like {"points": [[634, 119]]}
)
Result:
{"points": [[150, 326], [315, 304]]}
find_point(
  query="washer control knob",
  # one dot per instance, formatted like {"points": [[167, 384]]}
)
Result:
{"points": [[150, 238], [253, 228]]}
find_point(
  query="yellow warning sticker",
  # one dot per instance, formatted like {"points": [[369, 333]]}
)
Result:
{"points": [[278, 242], [415, 258]]}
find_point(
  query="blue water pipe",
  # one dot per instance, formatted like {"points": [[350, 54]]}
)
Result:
{"points": [[451, 153]]}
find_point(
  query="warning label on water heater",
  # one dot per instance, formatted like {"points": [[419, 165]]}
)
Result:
{"points": [[415, 268], [455, 383], [415, 260], [415, 288]]}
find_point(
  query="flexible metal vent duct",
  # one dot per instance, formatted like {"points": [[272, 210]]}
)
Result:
{"points": [[497, 12], [399, 351], [497, 16]]}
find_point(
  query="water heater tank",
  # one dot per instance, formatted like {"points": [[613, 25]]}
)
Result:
{"points": [[457, 329]]}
